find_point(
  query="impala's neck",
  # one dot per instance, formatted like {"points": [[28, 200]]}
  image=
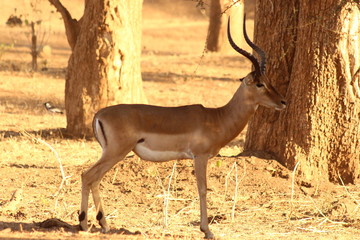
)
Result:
{"points": [[237, 112]]}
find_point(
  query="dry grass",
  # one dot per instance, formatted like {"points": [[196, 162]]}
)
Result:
{"points": [[258, 207]]}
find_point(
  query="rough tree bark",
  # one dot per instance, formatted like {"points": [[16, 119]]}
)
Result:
{"points": [[104, 67], [313, 50], [217, 36]]}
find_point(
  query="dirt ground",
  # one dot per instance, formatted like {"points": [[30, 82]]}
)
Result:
{"points": [[248, 197]]}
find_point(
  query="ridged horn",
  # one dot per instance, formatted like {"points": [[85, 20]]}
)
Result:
{"points": [[256, 48], [242, 51]]}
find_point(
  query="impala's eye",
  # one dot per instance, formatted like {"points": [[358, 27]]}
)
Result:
{"points": [[259, 85]]}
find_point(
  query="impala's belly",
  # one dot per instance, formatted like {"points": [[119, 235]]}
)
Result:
{"points": [[159, 156], [159, 148]]}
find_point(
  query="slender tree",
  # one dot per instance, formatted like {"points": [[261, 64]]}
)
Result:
{"points": [[313, 52], [104, 67], [218, 19]]}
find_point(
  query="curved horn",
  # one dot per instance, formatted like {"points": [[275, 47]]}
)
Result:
{"points": [[256, 48], [242, 51]]}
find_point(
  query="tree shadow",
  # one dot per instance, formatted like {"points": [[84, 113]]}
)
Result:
{"points": [[25, 104], [55, 224], [258, 154], [174, 77], [54, 133], [20, 65], [216, 219], [30, 227]]}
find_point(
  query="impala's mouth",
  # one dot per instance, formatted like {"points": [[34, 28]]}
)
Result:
{"points": [[282, 107]]}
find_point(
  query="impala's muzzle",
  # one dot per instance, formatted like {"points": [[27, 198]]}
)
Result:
{"points": [[281, 106]]}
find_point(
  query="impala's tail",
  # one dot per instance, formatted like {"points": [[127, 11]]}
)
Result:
{"points": [[99, 132]]}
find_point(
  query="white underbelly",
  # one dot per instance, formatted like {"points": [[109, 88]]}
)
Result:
{"points": [[148, 154]]}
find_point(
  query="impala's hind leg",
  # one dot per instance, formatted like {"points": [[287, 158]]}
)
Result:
{"points": [[90, 181], [83, 216]]}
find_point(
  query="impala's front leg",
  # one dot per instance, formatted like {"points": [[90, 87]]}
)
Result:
{"points": [[200, 173]]}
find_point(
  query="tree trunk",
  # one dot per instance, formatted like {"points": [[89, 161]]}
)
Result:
{"points": [[217, 33], [313, 52], [104, 68], [34, 51]]}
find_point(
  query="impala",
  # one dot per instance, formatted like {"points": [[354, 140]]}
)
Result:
{"points": [[161, 134]]}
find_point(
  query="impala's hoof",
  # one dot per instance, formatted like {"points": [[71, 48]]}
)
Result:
{"points": [[83, 228], [105, 229], [83, 222], [209, 235]]}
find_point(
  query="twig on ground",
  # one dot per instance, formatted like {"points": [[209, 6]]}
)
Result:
{"points": [[235, 193], [326, 219], [347, 191], [293, 181], [227, 179], [167, 195], [237, 181], [63, 176], [114, 177], [293, 189]]}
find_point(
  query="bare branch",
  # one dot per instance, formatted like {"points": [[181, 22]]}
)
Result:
{"points": [[72, 26]]}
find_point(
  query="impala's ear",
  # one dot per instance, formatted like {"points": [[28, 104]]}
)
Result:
{"points": [[241, 79], [249, 81], [251, 78]]}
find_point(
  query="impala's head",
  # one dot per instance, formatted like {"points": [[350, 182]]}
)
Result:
{"points": [[256, 83]]}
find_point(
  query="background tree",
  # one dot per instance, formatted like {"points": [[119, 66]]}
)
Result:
{"points": [[33, 19], [217, 37], [313, 55], [104, 67]]}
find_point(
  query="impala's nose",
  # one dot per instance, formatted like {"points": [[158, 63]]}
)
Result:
{"points": [[281, 106]]}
